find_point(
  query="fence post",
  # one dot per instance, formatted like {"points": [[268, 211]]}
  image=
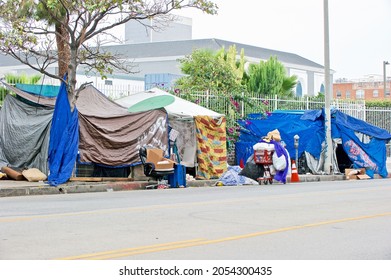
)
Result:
{"points": [[275, 102], [306, 102], [365, 110]]}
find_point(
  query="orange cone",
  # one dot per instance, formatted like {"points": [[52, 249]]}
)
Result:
{"points": [[294, 176]]}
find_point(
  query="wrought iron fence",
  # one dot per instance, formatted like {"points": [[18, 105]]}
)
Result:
{"points": [[379, 116], [118, 91], [221, 104]]}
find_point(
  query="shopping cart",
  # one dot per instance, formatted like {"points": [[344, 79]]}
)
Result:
{"points": [[264, 158]]}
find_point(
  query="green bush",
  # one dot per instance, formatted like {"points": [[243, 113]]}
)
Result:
{"points": [[379, 103], [13, 79]]}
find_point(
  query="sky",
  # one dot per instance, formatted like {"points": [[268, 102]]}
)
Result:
{"points": [[359, 30]]}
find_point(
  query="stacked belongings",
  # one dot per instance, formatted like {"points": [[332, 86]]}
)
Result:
{"points": [[271, 155]]}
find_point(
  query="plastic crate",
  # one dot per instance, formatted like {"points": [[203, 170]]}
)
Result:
{"points": [[263, 157]]}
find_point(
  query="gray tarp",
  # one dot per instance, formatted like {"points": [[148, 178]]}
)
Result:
{"points": [[24, 134], [186, 141]]}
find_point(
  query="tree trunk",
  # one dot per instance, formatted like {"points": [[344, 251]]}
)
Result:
{"points": [[63, 49], [64, 61], [71, 81]]}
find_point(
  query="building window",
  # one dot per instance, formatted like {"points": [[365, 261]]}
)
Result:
{"points": [[322, 88], [360, 94], [347, 94], [387, 93], [108, 82], [375, 93], [339, 94], [299, 90]]}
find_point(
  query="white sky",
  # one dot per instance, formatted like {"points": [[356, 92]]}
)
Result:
{"points": [[359, 30]]}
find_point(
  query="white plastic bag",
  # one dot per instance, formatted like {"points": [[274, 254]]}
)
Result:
{"points": [[279, 162], [263, 146]]}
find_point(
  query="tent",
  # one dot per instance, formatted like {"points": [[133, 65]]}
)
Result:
{"points": [[201, 140], [24, 134], [111, 136], [363, 143], [108, 134]]}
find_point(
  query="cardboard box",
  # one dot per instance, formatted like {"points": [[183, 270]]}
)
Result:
{"points": [[356, 174], [155, 156]]}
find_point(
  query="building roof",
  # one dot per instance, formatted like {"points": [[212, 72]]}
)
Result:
{"points": [[186, 47], [157, 51]]}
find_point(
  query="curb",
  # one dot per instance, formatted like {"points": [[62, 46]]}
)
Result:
{"points": [[71, 188], [84, 187]]}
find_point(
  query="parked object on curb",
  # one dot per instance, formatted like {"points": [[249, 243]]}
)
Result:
{"points": [[34, 175], [233, 177], [13, 173], [356, 174], [294, 176], [156, 165], [178, 178], [271, 154]]}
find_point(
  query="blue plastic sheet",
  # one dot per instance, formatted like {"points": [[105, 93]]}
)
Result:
{"points": [[232, 178], [64, 140], [42, 90], [309, 125], [311, 132]]}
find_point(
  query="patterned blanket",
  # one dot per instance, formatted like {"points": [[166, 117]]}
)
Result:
{"points": [[211, 147]]}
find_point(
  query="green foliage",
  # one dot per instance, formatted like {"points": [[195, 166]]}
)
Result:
{"points": [[288, 85], [22, 78], [269, 77], [222, 74], [13, 79], [378, 103], [209, 71]]}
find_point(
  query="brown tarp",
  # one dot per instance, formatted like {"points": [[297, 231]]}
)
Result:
{"points": [[112, 136]]}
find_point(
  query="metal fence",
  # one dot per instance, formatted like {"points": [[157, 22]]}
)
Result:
{"points": [[221, 104], [118, 91], [380, 117]]}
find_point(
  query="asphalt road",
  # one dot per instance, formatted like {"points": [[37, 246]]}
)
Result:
{"points": [[341, 220]]}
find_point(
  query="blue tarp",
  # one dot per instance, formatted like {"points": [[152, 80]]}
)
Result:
{"points": [[309, 125], [372, 155], [42, 90], [64, 140], [288, 124]]}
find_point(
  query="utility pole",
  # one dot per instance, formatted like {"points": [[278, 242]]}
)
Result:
{"points": [[385, 63], [329, 144]]}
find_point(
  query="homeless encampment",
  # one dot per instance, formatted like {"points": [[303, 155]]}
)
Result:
{"points": [[363, 143], [201, 140], [108, 135]]}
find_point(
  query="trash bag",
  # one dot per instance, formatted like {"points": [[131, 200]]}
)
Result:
{"points": [[252, 170]]}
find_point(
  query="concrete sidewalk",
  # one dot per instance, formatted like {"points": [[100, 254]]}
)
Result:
{"points": [[10, 188]]}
